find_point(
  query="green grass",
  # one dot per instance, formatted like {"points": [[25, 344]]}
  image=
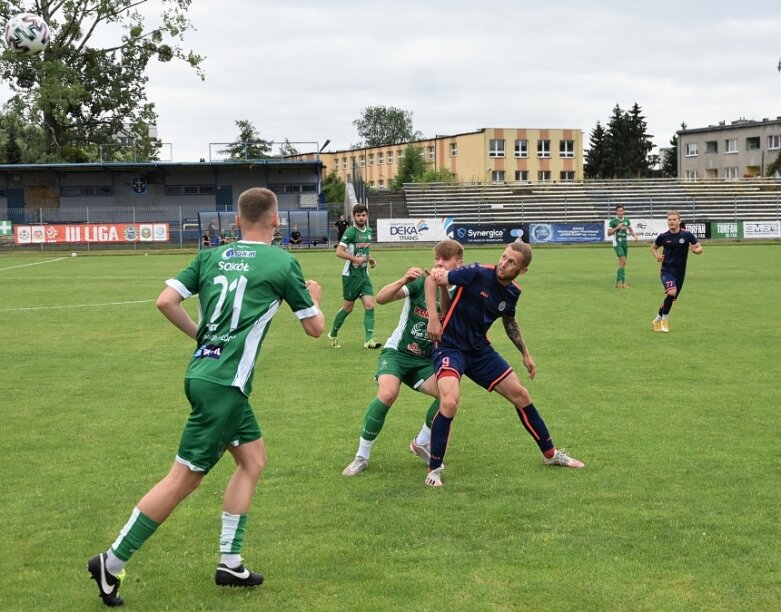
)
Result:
{"points": [[678, 508]]}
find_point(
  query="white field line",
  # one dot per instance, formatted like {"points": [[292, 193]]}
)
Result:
{"points": [[63, 307], [37, 263]]}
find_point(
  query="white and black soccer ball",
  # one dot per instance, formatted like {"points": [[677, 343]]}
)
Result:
{"points": [[26, 34]]}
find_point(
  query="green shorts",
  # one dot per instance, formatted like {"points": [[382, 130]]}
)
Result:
{"points": [[413, 371], [622, 250], [354, 287], [221, 416]]}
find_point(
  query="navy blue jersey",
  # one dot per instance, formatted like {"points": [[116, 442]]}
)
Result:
{"points": [[676, 250], [479, 300]]}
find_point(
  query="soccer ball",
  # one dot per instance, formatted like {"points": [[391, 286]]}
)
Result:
{"points": [[26, 34]]}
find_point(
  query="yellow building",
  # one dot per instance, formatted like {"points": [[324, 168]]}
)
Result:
{"points": [[489, 155]]}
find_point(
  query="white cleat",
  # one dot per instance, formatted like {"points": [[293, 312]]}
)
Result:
{"points": [[358, 465]]}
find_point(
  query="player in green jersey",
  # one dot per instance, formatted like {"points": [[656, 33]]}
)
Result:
{"points": [[241, 286], [406, 356], [619, 227], [354, 249]]}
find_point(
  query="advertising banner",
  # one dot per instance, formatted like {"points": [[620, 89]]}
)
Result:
{"points": [[567, 232], [488, 233], [645, 229], [726, 229], [413, 230], [762, 229], [91, 232], [700, 229]]}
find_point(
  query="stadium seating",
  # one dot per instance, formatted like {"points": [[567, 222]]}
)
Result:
{"points": [[573, 202]]}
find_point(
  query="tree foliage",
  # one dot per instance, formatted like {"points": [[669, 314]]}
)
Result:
{"points": [[84, 97], [333, 187], [287, 148], [670, 163], [384, 125], [774, 167], [622, 149], [411, 167], [248, 144]]}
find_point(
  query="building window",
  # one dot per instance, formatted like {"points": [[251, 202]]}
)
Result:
{"points": [[543, 176], [691, 149], [497, 176], [691, 175], [371, 159], [382, 184], [731, 174], [543, 148], [432, 152], [731, 145], [521, 148], [453, 149], [336, 164], [90, 192], [352, 161], [390, 157], [371, 183], [567, 175], [344, 162], [712, 146], [566, 148], [400, 154], [380, 158], [496, 148], [774, 141], [362, 161], [752, 144], [521, 175]]}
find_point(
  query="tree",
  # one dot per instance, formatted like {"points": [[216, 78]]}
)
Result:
{"points": [[670, 163], [85, 98], [287, 148], [774, 167], [595, 157], [411, 167], [384, 125], [249, 144], [622, 150], [333, 187], [443, 175]]}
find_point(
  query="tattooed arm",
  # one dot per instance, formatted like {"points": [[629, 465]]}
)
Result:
{"points": [[514, 334]]}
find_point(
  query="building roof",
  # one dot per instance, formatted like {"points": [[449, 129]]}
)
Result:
{"points": [[155, 165], [734, 125]]}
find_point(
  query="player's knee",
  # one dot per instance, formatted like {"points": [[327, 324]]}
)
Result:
{"points": [[672, 292], [254, 466], [348, 307], [387, 396]]}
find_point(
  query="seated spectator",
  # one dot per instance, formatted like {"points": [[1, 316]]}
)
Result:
{"points": [[295, 236], [276, 240]]}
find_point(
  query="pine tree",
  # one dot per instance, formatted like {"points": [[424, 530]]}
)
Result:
{"points": [[595, 157]]}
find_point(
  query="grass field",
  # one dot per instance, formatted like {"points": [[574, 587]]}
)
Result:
{"points": [[677, 509]]}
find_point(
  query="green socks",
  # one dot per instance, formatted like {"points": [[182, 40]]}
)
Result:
{"points": [[338, 322], [374, 419], [136, 531], [368, 324]]}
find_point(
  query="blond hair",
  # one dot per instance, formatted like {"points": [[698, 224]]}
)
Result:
{"points": [[524, 249], [256, 203], [447, 249]]}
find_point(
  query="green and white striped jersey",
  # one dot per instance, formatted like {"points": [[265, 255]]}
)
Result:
{"points": [[356, 242], [241, 287]]}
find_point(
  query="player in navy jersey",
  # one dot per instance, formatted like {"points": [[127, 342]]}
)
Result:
{"points": [[483, 293], [676, 243]]}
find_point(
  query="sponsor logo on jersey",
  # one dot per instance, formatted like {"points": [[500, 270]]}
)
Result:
{"points": [[502, 305], [413, 348], [208, 351], [419, 330], [421, 312], [233, 252]]}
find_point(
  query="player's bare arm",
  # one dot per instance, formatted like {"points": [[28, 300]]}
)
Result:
{"points": [[655, 251], [514, 334], [395, 290], [632, 232], [169, 302], [314, 325], [434, 327]]}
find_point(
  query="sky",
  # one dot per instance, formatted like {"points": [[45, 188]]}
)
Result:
{"points": [[304, 70]]}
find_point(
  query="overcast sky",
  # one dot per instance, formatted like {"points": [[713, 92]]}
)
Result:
{"points": [[304, 70]]}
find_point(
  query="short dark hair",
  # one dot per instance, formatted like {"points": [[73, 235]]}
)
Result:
{"points": [[360, 208], [255, 203]]}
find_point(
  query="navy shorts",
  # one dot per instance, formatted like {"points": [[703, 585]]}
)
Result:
{"points": [[486, 367], [670, 280]]}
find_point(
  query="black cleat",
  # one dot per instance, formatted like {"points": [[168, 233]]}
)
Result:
{"points": [[108, 584], [236, 577]]}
